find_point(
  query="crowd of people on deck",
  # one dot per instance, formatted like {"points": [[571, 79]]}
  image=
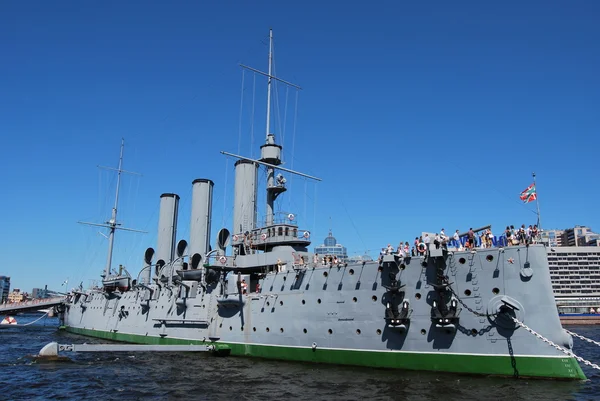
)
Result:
{"points": [[469, 241]]}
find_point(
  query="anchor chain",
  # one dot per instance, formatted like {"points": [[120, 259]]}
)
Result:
{"points": [[446, 280], [589, 340], [467, 307], [558, 347]]}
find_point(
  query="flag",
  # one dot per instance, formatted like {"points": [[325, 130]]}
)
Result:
{"points": [[529, 194]]}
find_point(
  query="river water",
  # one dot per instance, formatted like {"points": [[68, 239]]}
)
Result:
{"points": [[200, 376]]}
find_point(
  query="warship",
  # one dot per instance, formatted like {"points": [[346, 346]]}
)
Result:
{"points": [[258, 291]]}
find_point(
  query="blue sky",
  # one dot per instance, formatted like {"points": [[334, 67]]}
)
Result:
{"points": [[417, 116]]}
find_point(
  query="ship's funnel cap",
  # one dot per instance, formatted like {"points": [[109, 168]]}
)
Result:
{"points": [[223, 238]]}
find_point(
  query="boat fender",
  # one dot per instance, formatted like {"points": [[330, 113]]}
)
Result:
{"points": [[223, 260], [314, 346], [306, 234], [263, 236]]}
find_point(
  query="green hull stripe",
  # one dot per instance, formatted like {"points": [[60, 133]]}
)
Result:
{"points": [[527, 366]]}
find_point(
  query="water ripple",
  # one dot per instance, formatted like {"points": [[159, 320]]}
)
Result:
{"points": [[172, 376]]}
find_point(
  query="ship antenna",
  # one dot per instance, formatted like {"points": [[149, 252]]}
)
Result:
{"points": [[270, 77], [112, 224]]}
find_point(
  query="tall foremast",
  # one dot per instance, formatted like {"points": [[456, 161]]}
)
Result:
{"points": [[270, 157]]}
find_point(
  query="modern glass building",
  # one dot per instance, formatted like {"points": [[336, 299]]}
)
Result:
{"points": [[4, 288], [331, 247]]}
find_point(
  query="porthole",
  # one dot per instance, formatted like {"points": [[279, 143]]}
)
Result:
{"points": [[489, 258], [254, 329], [374, 298], [378, 332], [268, 330], [284, 278], [358, 331], [230, 328], [305, 331], [496, 291], [423, 331], [319, 300], [221, 325], [354, 299], [418, 295], [281, 330], [303, 302], [325, 274], [268, 304], [281, 303], [330, 331], [462, 261], [467, 292], [351, 271]]}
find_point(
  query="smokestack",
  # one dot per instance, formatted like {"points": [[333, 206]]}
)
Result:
{"points": [[244, 206], [202, 194], [167, 228]]}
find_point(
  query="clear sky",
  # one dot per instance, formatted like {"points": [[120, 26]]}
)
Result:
{"points": [[416, 115]]}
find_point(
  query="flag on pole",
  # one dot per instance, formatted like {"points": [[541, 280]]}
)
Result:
{"points": [[529, 194]]}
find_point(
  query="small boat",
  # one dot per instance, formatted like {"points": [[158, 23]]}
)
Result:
{"points": [[114, 283]]}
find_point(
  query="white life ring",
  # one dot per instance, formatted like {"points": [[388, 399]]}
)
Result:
{"points": [[291, 217], [9, 320], [263, 236], [223, 260], [421, 247], [306, 234], [235, 237]]}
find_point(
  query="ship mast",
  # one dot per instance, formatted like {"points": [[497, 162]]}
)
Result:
{"points": [[270, 151], [270, 140], [269, 84], [112, 224]]}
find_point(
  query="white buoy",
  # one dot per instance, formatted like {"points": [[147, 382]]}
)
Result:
{"points": [[9, 320], [50, 349]]}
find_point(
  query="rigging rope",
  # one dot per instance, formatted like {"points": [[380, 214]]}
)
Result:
{"points": [[36, 320]]}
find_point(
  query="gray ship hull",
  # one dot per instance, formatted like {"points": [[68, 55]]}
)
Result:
{"points": [[337, 315]]}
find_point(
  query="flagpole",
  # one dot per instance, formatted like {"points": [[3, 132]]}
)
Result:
{"points": [[537, 202]]}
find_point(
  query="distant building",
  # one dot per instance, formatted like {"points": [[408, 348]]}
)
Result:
{"points": [[16, 296], [360, 258], [575, 275], [552, 237], [4, 288], [331, 247], [38, 293], [576, 236], [575, 271]]}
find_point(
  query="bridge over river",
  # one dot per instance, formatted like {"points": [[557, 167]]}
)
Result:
{"points": [[30, 306]]}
